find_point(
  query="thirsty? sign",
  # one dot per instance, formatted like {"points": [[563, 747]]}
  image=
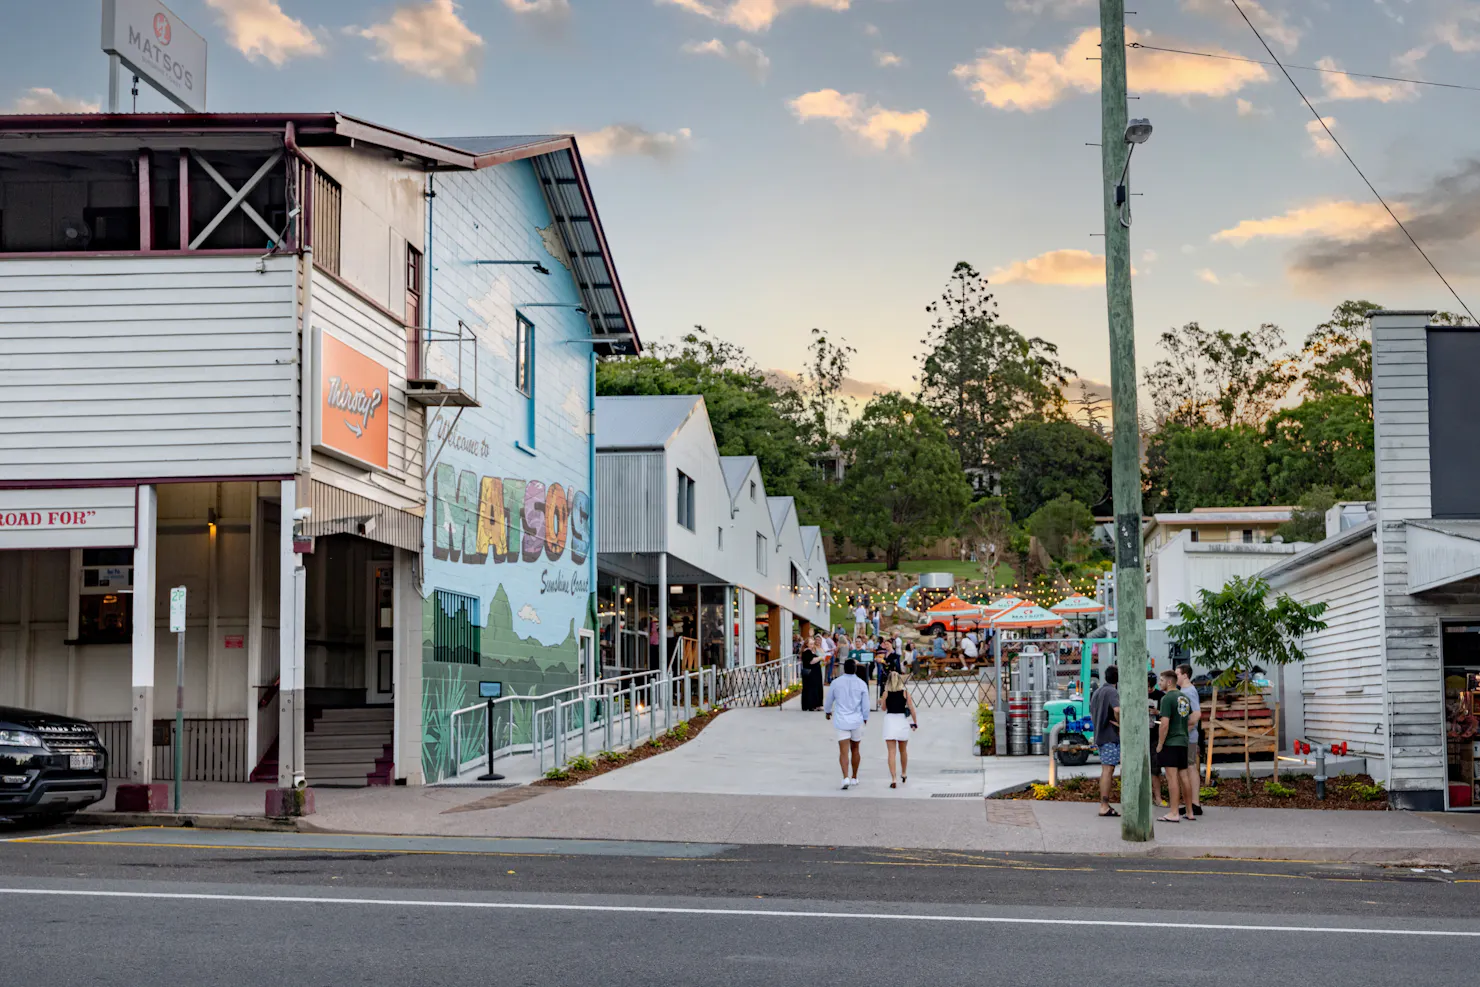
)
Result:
{"points": [[158, 47]]}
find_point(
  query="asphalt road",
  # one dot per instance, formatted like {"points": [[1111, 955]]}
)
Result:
{"points": [[202, 908]]}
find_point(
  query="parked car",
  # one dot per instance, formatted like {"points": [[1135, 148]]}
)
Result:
{"points": [[50, 765]]}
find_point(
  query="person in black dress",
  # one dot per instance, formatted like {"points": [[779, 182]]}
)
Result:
{"points": [[812, 661]]}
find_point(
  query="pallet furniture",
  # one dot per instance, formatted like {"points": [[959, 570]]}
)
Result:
{"points": [[1243, 721]]}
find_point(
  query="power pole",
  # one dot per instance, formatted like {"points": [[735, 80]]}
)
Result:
{"points": [[1130, 578]]}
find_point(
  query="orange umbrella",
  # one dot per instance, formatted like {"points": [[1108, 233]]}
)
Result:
{"points": [[1077, 604], [953, 605], [1026, 616]]}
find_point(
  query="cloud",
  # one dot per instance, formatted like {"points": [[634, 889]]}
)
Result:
{"points": [[741, 53], [1019, 79], [872, 30], [1275, 26], [553, 13], [428, 39], [1339, 85], [529, 614], [630, 140], [1078, 268], [752, 15], [42, 100], [1444, 217], [1248, 109], [1461, 32], [887, 60], [1059, 8], [1336, 219], [1207, 276], [260, 29], [876, 125], [1321, 141]]}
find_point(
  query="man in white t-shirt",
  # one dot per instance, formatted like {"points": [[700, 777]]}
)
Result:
{"points": [[968, 651], [860, 620]]}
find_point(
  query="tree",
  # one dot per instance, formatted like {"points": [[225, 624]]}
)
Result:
{"points": [[1219, 378], [904, 484], [1308, 520], [978, 376], [1041, 460], [1235, 629], [1338, 354], [1323, 442], [1202, 466], [819, 390], [750, 417], [1059, 522], [988, 529]]}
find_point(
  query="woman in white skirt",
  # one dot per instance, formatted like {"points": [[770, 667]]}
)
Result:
{"points": [[899, 720]]}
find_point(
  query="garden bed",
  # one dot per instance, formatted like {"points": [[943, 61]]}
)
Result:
{"points": [[1296, 792], [581, 769]]}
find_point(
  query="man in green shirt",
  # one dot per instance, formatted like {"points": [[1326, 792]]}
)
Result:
{"points": [[1171, 745]]}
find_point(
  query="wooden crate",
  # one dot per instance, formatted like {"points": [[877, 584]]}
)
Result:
{"points": [[1240, 723]]}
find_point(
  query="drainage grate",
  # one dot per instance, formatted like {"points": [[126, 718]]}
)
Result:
{"points": [[957, 795], [475, 784], [960, 771]]}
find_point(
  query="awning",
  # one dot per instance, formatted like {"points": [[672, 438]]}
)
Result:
{"points": [[1442, 552]]}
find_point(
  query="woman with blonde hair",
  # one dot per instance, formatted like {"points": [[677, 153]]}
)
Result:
{"points": [[899, 719]]}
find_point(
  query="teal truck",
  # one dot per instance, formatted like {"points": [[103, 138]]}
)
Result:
{"points": [[1077, 740]]}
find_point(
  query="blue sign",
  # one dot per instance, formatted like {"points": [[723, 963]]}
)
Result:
{"points": [[490, 690]]}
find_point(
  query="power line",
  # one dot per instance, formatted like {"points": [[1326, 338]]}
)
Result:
{"points": [[1306, 68], [1339, 146]]}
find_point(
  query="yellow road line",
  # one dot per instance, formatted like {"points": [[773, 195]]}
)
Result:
{"points": [[56, 837]]}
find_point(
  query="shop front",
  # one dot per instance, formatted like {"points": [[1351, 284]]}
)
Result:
{"points": [[1461, 651]]}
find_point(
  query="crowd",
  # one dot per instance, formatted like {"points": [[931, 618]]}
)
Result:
{"points": [[1172, 701]]}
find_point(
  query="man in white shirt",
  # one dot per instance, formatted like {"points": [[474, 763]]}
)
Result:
{"points": [[860, 620], [829, 650], [847, 707], [968, 650]]}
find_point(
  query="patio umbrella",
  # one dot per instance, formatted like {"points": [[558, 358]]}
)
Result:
{"points": [[1028, 615], [1077, 604], [1002, 604], [954, 605]]}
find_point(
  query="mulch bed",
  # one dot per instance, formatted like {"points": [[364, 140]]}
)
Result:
{"points": [[643, 751], [1232, 793]]}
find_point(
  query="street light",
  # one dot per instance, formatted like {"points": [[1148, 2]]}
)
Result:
{"points": [[1138, 131]]}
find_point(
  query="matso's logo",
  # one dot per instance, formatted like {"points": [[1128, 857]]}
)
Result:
{"points": [[360, 404], [162, 28]]}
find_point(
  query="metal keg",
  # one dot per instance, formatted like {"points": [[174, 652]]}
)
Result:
{"points": [[1018, 714], [1037, 723]]}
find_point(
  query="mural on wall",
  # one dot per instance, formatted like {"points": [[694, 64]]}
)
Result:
{"points": [[509, 517]]}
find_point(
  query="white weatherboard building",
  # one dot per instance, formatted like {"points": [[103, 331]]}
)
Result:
{"points": [[1397, 673], [690, 543]]}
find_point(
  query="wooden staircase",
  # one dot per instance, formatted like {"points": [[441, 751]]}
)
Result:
{"points": [[346, 747]]}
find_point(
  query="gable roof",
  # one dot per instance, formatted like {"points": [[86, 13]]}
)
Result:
{"points": [[811, 535], [736, 469], [779, 506], [641, 422]]}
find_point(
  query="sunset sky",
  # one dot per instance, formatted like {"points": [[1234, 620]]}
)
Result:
{"points": [[766, 166]]}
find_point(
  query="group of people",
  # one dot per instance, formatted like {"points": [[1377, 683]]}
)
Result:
{"points": [[1175, 713], [866, 618], [848, 702]]}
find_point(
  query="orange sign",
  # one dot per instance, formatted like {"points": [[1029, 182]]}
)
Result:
{"points": [[354, 421]]}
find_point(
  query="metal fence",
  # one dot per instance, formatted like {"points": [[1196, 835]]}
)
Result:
{"points": [[754, 684], [969, 689]]}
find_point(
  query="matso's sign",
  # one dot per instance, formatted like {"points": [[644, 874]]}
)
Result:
{"points": [[158, 47], [351, 415]]}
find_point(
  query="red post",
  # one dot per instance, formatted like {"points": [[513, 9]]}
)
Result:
{"points": [[184, 199], [146, 204]]}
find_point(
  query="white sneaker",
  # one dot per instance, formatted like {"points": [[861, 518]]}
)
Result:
{"points": [[852, 782], [847, 784]]}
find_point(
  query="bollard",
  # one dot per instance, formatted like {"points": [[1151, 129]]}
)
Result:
{"points": [[1053, 741], [1320, 772]]}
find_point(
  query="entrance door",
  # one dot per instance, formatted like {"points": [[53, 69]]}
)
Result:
{"points": [[380, 633], [1462, 715]]}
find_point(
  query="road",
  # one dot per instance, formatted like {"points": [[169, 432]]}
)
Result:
{"points": [[204, 908]]}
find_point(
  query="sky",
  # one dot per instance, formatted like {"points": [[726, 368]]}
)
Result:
{"points": [[766, 166]]}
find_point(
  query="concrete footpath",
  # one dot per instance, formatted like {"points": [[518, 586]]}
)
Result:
{"points": [[770, 777]]}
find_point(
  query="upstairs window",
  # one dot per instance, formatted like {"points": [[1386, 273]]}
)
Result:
{"points": [[760, 553], [524, 356], [752, 490], [1248, 536], [1196, 535], [685, 500], [796, 580], [413, 286]]}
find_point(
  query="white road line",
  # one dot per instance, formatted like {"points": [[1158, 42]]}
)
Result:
{"points": [[731, 912]]}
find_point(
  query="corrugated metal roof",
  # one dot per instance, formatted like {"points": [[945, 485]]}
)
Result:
{"points": [[736, 469], [487, 145], [779, 507], [644, 421]]}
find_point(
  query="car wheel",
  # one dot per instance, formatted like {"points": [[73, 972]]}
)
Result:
{"points": [[1073, 759]]}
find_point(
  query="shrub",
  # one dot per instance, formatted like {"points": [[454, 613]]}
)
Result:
{"points": [[1207, 793], [616, 757], [680, 730], [557, 774], [656, 742], [1277, 790], [1076, 785], [1045, 793], [1367, 793], [581, 763]]}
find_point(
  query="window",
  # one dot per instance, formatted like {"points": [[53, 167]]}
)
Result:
{"points": [[1248, 536], [1195, 537], [524, 356], [456, 634], [325, 222], [760, 553], [752, 490], [685, 500], [796, 580], [413, 286], [720, 541], [105, 605]]}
